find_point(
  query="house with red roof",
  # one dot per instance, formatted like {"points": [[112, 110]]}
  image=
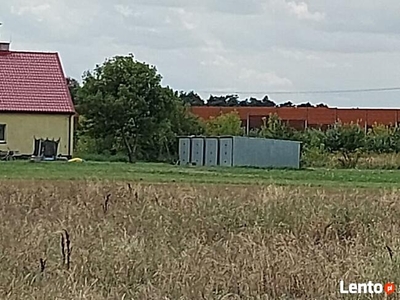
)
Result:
{"points": [[34, 101]]}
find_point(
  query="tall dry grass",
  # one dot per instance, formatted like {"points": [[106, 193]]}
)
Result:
{"points": [[128, 241]]}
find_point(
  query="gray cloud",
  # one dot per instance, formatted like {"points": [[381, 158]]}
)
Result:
{"points": [[233, 45], [237, 7]]}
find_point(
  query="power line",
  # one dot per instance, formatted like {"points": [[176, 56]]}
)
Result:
{"points": [[305, 92]]}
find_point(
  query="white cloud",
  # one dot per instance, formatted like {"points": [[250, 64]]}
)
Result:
{"points": [[311, 57], [218, 61], [184, 17], [301, 11], [264, 78], [126, 11], [32, 9]]}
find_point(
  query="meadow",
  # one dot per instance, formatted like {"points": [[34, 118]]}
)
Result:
{"points": [[165, 173], [154, 231]]}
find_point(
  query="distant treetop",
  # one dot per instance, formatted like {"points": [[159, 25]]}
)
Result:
{"points": [[193, 99]]}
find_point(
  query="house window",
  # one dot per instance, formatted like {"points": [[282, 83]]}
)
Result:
{"points": [[2, 133]]}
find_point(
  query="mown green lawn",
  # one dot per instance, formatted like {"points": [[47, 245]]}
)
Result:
{"points": [[150, 172]]}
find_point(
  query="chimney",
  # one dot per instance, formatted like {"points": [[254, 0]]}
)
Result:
{"points": [[4, 47]]}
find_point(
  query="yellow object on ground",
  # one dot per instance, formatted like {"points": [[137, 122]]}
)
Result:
{"points": [[76, 160]]}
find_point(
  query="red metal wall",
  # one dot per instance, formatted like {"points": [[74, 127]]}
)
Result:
{"points": [[312, 116]]}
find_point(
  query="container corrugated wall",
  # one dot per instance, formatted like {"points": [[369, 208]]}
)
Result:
{"points": [[265, 153], [239, 151], [252, 152]]}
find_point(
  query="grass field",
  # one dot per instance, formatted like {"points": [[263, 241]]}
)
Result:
{"points": [[203, 234], [168, 173]]}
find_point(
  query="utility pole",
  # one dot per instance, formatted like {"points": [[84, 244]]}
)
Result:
{"points": [[4, 43], [1, 24]]}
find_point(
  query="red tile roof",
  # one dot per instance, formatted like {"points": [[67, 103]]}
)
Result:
{"points": [[33, 82]]}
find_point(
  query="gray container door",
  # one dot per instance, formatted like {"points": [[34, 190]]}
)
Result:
{"points": [[285, 154], [211, 158], [198, 151], [225, 152], [184, 151]]}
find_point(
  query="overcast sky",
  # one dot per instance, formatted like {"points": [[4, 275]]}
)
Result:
{"points": [[257, 46]]}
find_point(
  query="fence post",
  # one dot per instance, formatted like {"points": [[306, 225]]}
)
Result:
{"points": [[248, 124]]}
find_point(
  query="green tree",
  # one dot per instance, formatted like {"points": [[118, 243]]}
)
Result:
{"points": [[225, 124], [124, 98], [73, 86], [274, 128], [383, 139], [191, 98], [348, 140], [163, 144]]}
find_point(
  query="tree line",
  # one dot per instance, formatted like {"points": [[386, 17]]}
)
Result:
{"points": [[193, 99]]}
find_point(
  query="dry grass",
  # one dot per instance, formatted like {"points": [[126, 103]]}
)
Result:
{"points": [[390, 161], [387, 161], [104, 240]]}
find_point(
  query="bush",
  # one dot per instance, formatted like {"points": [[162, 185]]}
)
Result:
{"points": [[274, 128], [226, 124], [315, 157], [86, 144], [383, 139], [348, 140]]}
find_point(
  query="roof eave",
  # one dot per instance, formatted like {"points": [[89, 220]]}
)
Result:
{"points": [[37, 112]]}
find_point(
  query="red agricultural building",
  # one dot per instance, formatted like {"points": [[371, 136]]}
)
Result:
{"points": [[303, 117]]}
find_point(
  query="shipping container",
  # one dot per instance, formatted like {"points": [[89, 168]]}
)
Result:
{"points": [[240, 151]]}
